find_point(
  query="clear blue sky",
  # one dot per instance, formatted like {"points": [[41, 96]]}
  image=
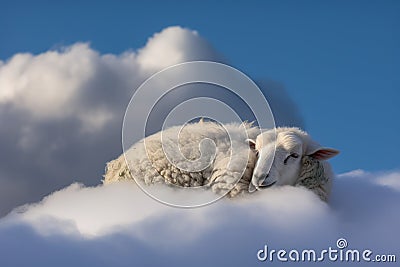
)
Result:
{"points": [[340, 60]]}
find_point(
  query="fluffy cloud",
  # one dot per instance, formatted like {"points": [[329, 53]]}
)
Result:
{"points": [[61, 111], [78, 82], [119, 225], [176, 47]]}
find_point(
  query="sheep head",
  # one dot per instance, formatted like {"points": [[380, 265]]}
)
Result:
{"points": [[283, 167]]}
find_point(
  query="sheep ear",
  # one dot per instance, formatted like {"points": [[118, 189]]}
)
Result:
{"points": [[323, 153], [251, 143]]}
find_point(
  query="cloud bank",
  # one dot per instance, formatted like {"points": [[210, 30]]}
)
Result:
{"points": [[119, 225], [61, 111]]}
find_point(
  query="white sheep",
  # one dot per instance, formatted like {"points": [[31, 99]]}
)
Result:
{"points": [[186, 157], [237, 171], [298, 160]]}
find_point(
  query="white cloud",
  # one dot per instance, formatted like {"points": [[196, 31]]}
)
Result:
{"points": [[69, 104], [172, 46], [391, 180], [47, 84], [362, 211], [55, 84], [96, 211]]}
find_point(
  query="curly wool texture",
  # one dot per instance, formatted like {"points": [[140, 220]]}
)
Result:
{"points": [[313, 176], [230, 170]]}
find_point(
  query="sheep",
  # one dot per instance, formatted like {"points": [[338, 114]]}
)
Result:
{"points": [[298, 160], [225, 166]]}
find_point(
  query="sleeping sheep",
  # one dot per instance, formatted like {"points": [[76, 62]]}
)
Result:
{"points": [[230, 159]]}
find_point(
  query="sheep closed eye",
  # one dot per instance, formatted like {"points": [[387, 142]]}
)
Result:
{"points": [[293, 155]]}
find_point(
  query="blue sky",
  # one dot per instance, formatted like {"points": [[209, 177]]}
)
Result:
{"points": [[339, 60]]}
